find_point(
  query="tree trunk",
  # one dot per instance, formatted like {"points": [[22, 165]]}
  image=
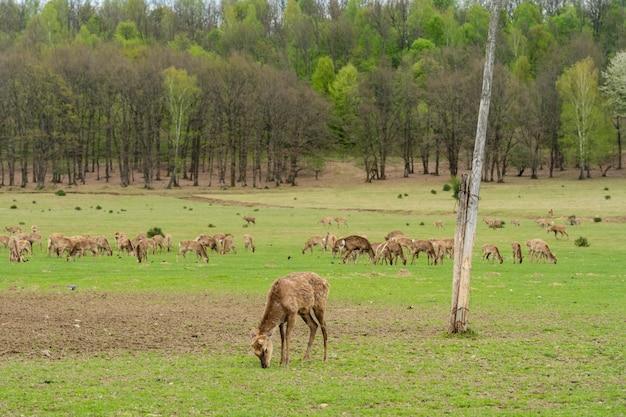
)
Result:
{"points": [[468, 195]]}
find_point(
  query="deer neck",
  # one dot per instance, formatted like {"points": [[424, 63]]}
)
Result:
{"points": [[271, 318]]}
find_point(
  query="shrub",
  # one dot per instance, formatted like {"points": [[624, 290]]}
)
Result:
{"points": [[581, 242], [433, 192], [60, 193], [98, 207], [607, 197], [400, 196], [447, 187], [77, 208], [455, 183], [13, 206], [597, 219], [155, 231]]}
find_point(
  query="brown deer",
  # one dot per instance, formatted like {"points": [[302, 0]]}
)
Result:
{"points": [[326, 221], [314, 241], [354, 243], [249, 219], [248, 241], [491, 253], [558, 228], [13, 229], [298, 293], [517, 252], [340, 221]]}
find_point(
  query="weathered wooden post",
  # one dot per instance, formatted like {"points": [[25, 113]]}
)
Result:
{"points": [[469, 192]]}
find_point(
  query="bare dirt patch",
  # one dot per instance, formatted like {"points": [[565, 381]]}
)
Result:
{"points": [[68, 323], [62, 324]]}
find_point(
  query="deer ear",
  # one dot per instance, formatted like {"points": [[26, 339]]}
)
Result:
{"points": [[253, 333], [270, 333]]}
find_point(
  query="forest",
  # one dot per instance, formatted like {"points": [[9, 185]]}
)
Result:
{"points": [[255, 91]]}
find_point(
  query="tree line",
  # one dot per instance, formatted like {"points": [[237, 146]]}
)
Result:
{"points": [[267, 88]]}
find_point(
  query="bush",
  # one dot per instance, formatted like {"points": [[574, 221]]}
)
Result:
{"points": [[597, 219], [581, 242], [433, 192], [60, 193], [13, 207], [447, 187], [77, 208], [455, 183], [155, 231], [399, 195]]}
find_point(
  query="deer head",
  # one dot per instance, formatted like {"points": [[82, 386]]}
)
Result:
{"points": [[263, 348]]}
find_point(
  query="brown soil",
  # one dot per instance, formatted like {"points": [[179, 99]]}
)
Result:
{"points": [[67, 323]]}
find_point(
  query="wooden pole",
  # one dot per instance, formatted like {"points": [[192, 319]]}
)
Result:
{"points": [[469, 192]]}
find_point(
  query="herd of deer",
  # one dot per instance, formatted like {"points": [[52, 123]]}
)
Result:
{"points": [[301, 294], [20, 244]]}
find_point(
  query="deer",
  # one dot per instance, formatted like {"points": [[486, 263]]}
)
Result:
{"points": [[558, 228], [517, 252], [299, 293], [340, 221], [351, 244], [248, 241], [326, 221], [491, 253], [314, 241], [249, 219], [13, 229]]}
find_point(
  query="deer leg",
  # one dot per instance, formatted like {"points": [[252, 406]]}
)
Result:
{"points": [[291, 321], [308, 319], [281, 327], [345, 259], [319, 313]]}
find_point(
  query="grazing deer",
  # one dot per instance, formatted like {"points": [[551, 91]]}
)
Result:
{"points": [[314, 241], [249, 219], [517, 252], [13, 229], [491, 253], [248, 241], [326, 221], [356, 244], [15, 253], [340, 221], [298, 293], [438, 223]]}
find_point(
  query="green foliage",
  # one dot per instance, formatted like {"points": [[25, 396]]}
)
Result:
{"points": [[455, 184], [60, 193], [13, 206], [581, 242], [583, 123], [323, 76], [155, 231], [614, 87]]}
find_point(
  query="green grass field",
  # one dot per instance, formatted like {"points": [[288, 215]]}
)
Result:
{"points": [[545, 339]]}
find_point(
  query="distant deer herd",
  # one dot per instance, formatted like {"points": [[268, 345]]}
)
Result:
{"points": [[301, 294]]}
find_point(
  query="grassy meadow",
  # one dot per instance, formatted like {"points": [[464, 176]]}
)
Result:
{"points": [[545, 339]]}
